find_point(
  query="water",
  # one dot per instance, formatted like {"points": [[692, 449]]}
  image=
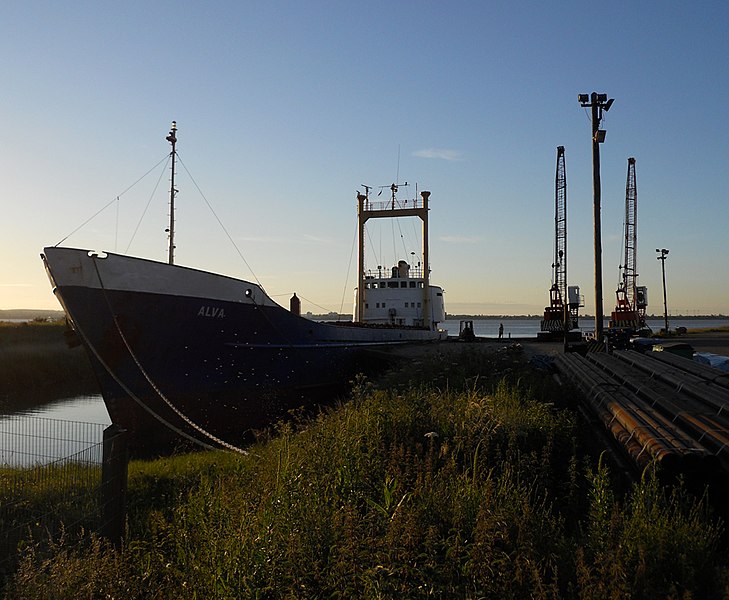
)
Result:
{"points": [[89, 409], [528, 328], [52, 431]]}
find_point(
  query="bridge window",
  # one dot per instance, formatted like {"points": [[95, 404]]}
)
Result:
{"points": [[412, 284]]}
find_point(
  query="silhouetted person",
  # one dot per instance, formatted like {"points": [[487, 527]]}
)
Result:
{"points": [[501, 330]]}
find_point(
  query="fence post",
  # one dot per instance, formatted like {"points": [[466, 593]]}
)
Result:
{"points": [[114, 484]]}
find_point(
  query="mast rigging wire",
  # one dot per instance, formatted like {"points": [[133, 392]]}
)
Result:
{"points": [[212, 210], [108, 204], [349, 268], [144, 212]]}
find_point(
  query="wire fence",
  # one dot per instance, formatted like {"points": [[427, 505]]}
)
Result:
{"points": [[36, 441], [59, 479]]}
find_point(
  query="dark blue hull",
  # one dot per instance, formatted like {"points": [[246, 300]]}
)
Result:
{"points": [[226, 375], [182, 354]]}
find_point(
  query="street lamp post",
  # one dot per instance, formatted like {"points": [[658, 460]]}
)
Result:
{"points": [[663, 252], [598, 103]]}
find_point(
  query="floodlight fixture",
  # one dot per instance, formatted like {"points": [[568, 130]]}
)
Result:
{"points": [[608, 105], [583, 98]]}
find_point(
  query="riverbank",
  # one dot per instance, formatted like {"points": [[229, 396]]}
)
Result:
{"points": [[460, 478], [36, 365]]}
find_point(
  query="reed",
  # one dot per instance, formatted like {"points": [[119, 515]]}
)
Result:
{"points": [[473, 486], [36, 365]]}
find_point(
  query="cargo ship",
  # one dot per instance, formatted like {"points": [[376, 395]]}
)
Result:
{"points": [[184, 355]]}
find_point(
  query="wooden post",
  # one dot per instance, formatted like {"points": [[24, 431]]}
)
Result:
{"points": [[114, 484]]}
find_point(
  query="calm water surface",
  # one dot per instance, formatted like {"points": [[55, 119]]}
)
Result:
{"points": [[52, 431]]}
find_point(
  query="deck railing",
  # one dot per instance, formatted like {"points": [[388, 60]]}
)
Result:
{"points": [[396, 205]]}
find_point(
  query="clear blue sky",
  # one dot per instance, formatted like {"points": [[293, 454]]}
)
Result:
{"points": [[285, 108]]}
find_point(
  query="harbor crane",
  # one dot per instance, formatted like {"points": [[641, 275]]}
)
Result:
{"points": [[632, 299], [564, 301]]}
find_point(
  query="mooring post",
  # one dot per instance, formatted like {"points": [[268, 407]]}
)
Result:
{"points": [[114, 484]]}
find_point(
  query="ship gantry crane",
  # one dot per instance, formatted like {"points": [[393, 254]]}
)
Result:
{"points": [[632, 299], [564, 301]]}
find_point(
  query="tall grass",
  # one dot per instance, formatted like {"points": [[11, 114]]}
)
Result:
{"points": [[36, 365], [471, 487], [37, 503]]}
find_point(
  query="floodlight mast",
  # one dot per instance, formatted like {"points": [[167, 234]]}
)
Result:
{"points": [[598, 103], [662, 257]]}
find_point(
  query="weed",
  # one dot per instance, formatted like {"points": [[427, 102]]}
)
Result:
{"points": [[471, 486]]}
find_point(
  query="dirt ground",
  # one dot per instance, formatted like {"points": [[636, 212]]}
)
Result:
{"points": [[714, 342]]}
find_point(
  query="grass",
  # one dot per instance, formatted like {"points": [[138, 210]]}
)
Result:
{"points": [[472, 485], [37, 503], [36, 365]]}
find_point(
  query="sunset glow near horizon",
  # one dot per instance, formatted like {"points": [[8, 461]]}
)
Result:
{"points": [[284, 110]]}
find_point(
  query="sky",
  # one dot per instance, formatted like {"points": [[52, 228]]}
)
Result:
{"points": [[285, 109]]}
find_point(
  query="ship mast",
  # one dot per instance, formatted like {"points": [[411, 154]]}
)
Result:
{"points": [[172, 139]]}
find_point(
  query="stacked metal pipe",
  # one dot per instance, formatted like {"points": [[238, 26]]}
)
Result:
{"points": [[656, 409]]}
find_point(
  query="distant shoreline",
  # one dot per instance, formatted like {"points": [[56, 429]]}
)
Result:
{"points": [[450, 317], [31, 314]]}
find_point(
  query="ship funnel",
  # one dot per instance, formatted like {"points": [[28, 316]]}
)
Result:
{"points": [[295, 305]]}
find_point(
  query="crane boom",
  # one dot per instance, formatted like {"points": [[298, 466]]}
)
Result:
{"points": [[559, 267], [631, 299], [564, 302], [631, 237]]}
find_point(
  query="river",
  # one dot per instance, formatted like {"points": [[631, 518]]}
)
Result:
{"points": [[51, 431]]}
